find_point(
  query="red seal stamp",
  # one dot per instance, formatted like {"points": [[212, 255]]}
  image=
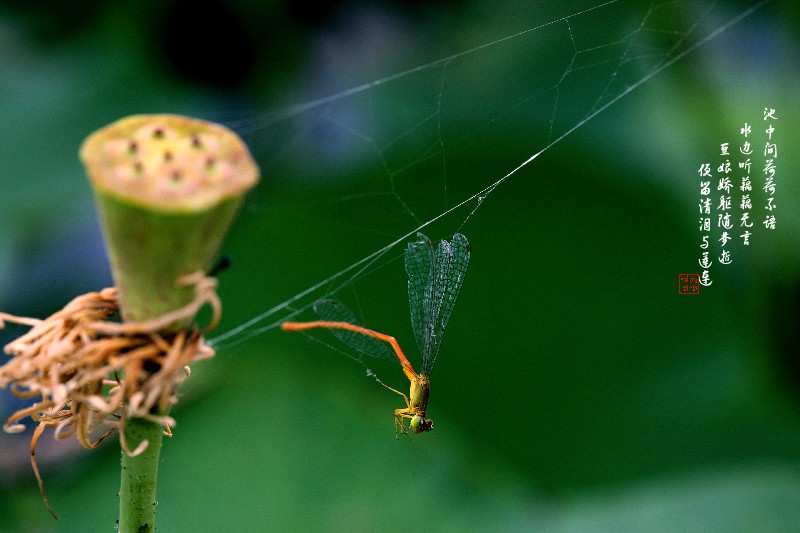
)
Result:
{"points": [[688, 283]]}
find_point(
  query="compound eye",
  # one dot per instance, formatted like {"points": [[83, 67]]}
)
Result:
{"points": [[422, 424]]}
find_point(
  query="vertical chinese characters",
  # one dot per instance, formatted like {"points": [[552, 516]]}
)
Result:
{"points": [[705, 221], [770, 169], [746, 185], [719, 211], [724, 206]]}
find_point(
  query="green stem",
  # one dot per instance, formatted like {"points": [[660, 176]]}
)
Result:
{"points": [[167, 189], [137, 493]]}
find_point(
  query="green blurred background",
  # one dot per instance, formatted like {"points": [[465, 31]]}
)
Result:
{"points": [[576, 389]]}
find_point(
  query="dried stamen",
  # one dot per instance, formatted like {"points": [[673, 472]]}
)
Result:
{"points": [[72, 361]]}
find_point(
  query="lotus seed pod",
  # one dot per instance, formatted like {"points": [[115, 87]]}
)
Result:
{"points": [[167, 189]]}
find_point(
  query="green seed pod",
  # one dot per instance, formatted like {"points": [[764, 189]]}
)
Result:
{"points": [[167, 189]]}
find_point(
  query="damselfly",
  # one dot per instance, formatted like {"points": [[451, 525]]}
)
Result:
{"points": [[435, 277]]}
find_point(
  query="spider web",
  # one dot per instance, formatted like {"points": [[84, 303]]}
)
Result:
{"points": [[425, 148]]}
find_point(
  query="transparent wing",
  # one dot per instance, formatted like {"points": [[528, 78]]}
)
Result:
{"points": [[419, 262], [433, 292], [333, 311], [450, 262]]}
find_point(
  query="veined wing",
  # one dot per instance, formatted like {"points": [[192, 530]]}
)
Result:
{"points": [[333, 311], [419, 265], [435, 277]]}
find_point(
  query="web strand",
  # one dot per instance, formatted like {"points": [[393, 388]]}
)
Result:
{"points": [[607, 97]]}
